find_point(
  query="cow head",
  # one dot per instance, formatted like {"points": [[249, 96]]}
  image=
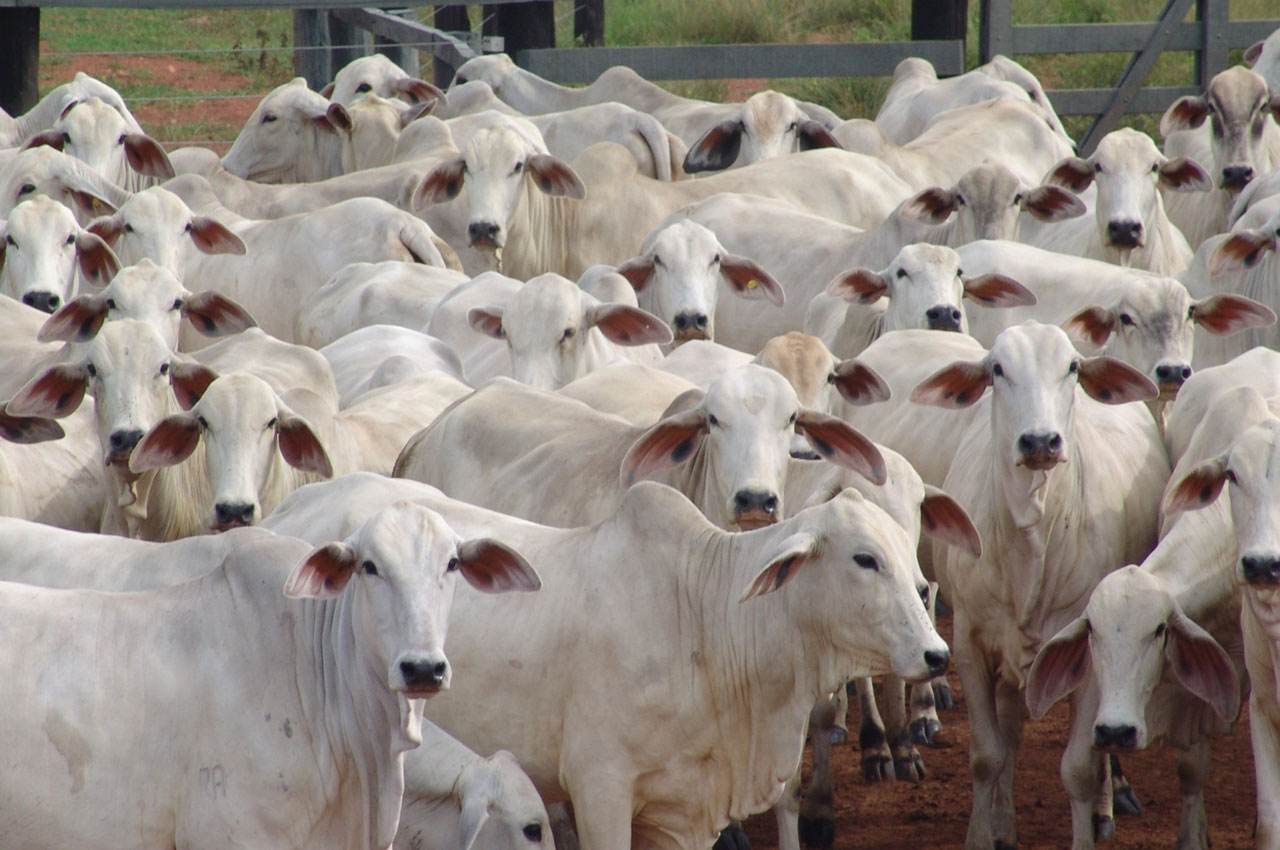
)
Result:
{"points": [[769, 125], [41, 245], [157, 225]]}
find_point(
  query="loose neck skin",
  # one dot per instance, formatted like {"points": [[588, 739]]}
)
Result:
{"points": [[541, 240]]}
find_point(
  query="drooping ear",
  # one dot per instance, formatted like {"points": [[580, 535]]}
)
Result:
{"points": [[858, 383], [216, 315], [1073, 172], [813, 135], [955, 386], [107, 228], [1059, 668], [781, 565], [487, 320], [98, 263], [1185, 113], [1200, 487], [1184, 175], [860, 286], [89, 204], [716, 149], [943, 518], [327, 91], [638, 271], [1202, 666], [170, 441], [53, 395], [147, 157], [1252, 53], [1242, 248], [475, 811], [626, 325], [339, 118], [1051, 203], [997, 290], [419, 91], [931, 206], [78, 321], [213, 237], [748, 280], [1228, 314], [554, 177], [29, 429], [322, 574], [45, 138], [838, 442], [189, 382], [492, 567], [322, 123], [1092, 324], [418, 110], [300, 446], [442, 184], [70, 106], [1113, 381], [669, 443]]}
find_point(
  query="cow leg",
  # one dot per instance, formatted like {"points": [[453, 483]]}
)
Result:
{"points": [[1193, 772], [877, 760], [907, 764], [787, 812], [602, 812], [1266, 765], [1011, 713], [840, 725], [1083, 770], [562, 830], [1124, 801], [817, 820], [732, 838], [986, 746], [924, 710]]}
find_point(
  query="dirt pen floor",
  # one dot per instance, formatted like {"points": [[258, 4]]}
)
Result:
{"points": [[934, 813]]}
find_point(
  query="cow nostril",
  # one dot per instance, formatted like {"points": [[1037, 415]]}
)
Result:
{"points": [[46, 302], [1175, 374], [682, 322], [1237, 175], [439, 670], [700, 321], [771, 504], [230, 514], [1055, 442], [123, 441], [937, 660], [1026, 444], [1260, 569]]}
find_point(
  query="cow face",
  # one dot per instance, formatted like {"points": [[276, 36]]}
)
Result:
{"points": [[769, 125], [156, 224], [500, 806], [269, 150], [380, 76], [98, 135], [42, 170], [40, 248]]}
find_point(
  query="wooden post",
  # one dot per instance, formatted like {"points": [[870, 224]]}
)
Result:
{"points": [[348, 43], [1212, 59], [449, 19], [588, 23], [521, 25], [405, 57], [939, 20], [995, 30], [311, 30], [19, 59]]}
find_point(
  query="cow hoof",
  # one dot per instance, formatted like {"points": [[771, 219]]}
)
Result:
{"points": [[839, 735], [923, 730], [910, 768], [1125, 802], [877, 768], [942, 696], [732, 838], [1004, 845], [1103, 828], [817, 832]]}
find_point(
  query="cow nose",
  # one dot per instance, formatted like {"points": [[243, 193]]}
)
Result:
{"points": [[482, 233], [122, 442], [1260, 569], [943, 318], [937, 660], [44, 301], [1115, 737], [1124, 234], [229, 514], [424, 672], [1236, 176], [1041, 451], [1172, 375], [691, 325]]}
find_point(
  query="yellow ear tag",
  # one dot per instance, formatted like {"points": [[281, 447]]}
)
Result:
{"points": [[751, 284]]}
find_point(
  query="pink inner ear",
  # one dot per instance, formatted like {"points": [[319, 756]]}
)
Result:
{"points": [[1073, 172], [933, 205], [1227, 314], [1200, 488], [669, 443], [212, 237], [1052, 203], [189, 382], [637, 271], [78, 321], [215, 315], [56, 393], [29, 429], [442, 184], [1113, 382], [324, 573], [1059, 669], [840, 443], [1094, 324], [1244, 248], [1204, 669], [859, 384], [169, 442], [627, 325], [954, 386], [491, 567], [302, 449], [942, 518], [147, 157], [862, 286]]}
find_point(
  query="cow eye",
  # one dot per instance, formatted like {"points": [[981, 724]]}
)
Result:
{"points": [[1160, 630], [533, 832], [128, 228], [1231, 476], [1017, 199], [867, 562], [657, 261], [177, 304], [363, 87], [369, 568], [26, 189], [71, 239], [902, 273], [923, 590], [997, 370], [1126, 319], [66, 138], [1074, 367], [452, 565], [111, 303], [1155, 166], [92, 370], [793, 418], [519, 167], [960, 200], [203, 423], [713, 422], [715, 260], [268, 118], [1097, 167], [273, 421], [568, 334], [164, 368], [187, 229], [9, 239], [120, 141], [794, 125]]}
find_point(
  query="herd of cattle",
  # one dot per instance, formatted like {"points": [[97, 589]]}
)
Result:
{"points": [[732, 434]]}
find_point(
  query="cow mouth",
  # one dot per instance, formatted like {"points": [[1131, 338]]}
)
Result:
{"points": [[1168, 390], [484, 243], [1040, 462], [219, 527], [1234, 185], [751, 520], [686, 334], [422, 691], [118, 463]]}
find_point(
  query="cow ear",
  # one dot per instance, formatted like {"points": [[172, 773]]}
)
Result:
{"points": [[716, 149], [1051, 203], [107, 228], [1184, 175], [189, 382], [554, 177], [216, 315], [419, 91], [1200, 487], [78, 321], [4, 243], [98, 263], [1202, 666], [997, 290], [89, 204], [749, 280], [29, 429], [626, 325], [300, 446], [638, 271], [53, 395], [418, 110], [781, 565], [323, 123], [669, 443], [1228, 314], [1059, 668], [955, 386], [213, 237], [944, 519], [45, 138], [327, 91], [487, 320], [931, 206], [813, 135], [838, 442], [1113, 381], [1073, 172], [858, 383], [1241, 248], [475, 811], [170, 441], [442, 184], [147, 157], [339, 118], [492, 567], [1185, 113], [1092, 324], [861, 286], [1252, 52], [322, 574]]}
